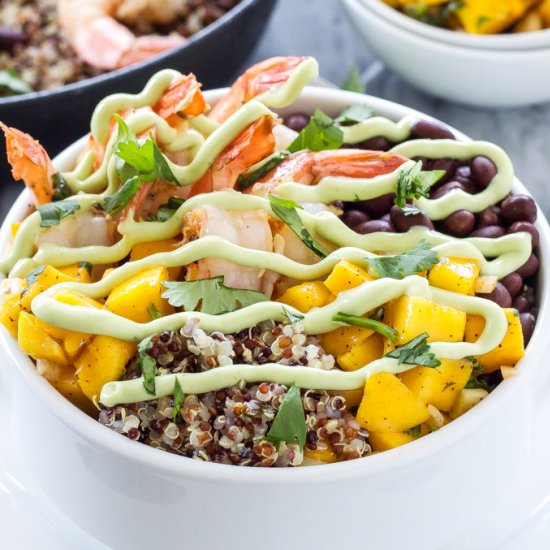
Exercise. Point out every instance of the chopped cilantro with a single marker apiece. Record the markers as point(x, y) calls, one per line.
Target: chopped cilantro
point(416, 352)
point(373, 324)
point(415, 183)
point(147, 365)
point(289, 424)
point(179, 397)
point(354, 114)
point(247, 179)
point(320, 134)
point(353, 81)
point(53, 212)
point(153, 312)
point(12, 84)
point(292, 317)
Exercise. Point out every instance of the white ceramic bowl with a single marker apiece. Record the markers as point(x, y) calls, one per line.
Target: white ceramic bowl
point(486, 71)
point(425, 495)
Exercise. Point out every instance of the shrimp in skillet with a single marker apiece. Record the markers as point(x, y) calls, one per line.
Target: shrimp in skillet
point(103, 42)
point(249, 229)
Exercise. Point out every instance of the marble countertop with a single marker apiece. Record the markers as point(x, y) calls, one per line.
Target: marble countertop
point(320, 28)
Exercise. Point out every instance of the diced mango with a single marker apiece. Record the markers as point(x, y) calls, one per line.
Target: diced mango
point(9, 314)
point(48, 277)
point(489, 16)
point(341, 340)
point(79, 272)
point(508, 352)
point(352, 397)
point(306, 296)
point(386, 441)
point(36, 342)
point(389, 406)
point(103, 360)
point(72, 341)
point(544, 12)
point(142, 250)
point(345, 276)
point(438, 386)
point(413, 315)
point(74, 298)
point(323, 455)
point(466, 400)
point(361, 354)
point(455, 274)
point(133, 297)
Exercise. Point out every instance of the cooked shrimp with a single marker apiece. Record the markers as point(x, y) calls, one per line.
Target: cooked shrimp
point(309, 168)
point(100, 40)
point(246, 228)
point(30, 163)
point(83, 229)
point(251, 146)
point(183, 97)
point(260, 78)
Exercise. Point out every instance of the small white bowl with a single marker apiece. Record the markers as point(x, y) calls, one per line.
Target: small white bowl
point(485, 71)
point(429, 494)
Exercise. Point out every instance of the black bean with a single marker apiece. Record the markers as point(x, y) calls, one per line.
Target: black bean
point(404, 223)
point(445, 188)
point(513, 283)
point(378, 143)
point(374, 226)
point(519, 208)
point(517, 227)
point(297, 121)
point(427, 129)
point(489, 232)
point(500, 296)
point(378, 206)
point(354, 217)
point(530, 267)
point(483, 171)
point(448, 165)
point(527, 321)
point(463, 173)
point(460, 223)
point(10, 36)
point(386, 218)
point(489, 216)
point(521, 303)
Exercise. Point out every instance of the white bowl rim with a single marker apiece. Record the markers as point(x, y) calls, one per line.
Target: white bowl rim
point(513, 41)
point(163, 463)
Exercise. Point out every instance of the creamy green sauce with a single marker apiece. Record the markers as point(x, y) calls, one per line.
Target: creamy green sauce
point(204, 141)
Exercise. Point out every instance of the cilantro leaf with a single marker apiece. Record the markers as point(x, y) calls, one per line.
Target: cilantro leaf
point(32, 276)
point(372, 324)
point(414, 183)
point(247, 179)
point(353, 81)
point(292, 317)
point(211, 294)
point(416, 352)
point(414, 431)
point(354, 114)
point(117, 202)
point(166, 211)
point(12, 84)
point(147, 365)
point(414, 260)
point(320, 134)
point(290, 423)
point(61, 188)
point(153, 312)
point(286, 211)
point(87, 266)
point(179, 397)
point(53, 212)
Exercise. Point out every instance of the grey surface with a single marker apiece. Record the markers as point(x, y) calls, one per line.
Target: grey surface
point(320, 28)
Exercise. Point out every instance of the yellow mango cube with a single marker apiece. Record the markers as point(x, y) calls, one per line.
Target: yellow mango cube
point(326, 454)
point(385, 441)
point(306, 296)
point(508, 352)
point(345, 276)
point(413, 315)
point(455, 274)
point(9, 314)
point(36, 342)
point(466, 400)
point(74, 298)
point(388, 406)
point(142, 250)
point(80, 272)
point(362, 354)
point(72, 341)
point(48, 277)
point(490, 16)
point(341, 340)
point(103, 360)
point(133, 297)
point(438, 386)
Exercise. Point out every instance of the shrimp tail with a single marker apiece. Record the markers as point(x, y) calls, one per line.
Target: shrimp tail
point(183, 97)
point(30, 163)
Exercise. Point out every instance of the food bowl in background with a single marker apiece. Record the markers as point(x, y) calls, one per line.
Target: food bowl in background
point(57, 117)
point(442, 491)
point(485, 71)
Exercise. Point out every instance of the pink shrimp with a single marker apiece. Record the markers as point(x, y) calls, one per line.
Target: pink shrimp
point(30, 163)
point(309, 168)
point(103, 42)
point(183, 97)
point(249, 229)
point(262, 77)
